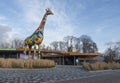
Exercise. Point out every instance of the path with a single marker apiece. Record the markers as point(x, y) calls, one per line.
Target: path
point(58, 74)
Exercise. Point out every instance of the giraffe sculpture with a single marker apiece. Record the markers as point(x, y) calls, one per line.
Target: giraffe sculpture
point(37, 37)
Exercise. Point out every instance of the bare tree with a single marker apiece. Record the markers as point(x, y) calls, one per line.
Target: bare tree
point(62, 46)
point(110, 55)
point(54, 44)
point(88, 45)
point(17, 43)
point(82, 44)
point(70, 42)
point(4, 45)
point(113, 52)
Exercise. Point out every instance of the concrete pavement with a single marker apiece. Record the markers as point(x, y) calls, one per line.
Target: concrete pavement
point(113, 77)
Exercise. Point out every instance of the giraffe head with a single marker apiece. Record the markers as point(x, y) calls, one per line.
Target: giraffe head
point(49, 12)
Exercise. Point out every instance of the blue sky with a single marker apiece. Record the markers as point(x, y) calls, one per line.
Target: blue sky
point(99, 19)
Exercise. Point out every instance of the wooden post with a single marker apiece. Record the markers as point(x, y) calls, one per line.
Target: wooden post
point(74, 60)
point(63, 59)
point(9, 56)
point(59, 61)
point(17, 55)
point(3, 56)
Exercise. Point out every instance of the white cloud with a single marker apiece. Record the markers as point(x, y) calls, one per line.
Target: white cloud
point(4, 33)
point(100, 29)
point(113, 41)
point(7, 34)
point(2, 17)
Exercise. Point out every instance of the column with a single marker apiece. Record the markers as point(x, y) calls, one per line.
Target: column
point(63, 59)
point(74, 60)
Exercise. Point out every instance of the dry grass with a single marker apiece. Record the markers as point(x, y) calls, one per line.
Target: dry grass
point(100, 66)
point(20, 63)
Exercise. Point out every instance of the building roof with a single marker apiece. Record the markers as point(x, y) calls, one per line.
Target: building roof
point(50, 51)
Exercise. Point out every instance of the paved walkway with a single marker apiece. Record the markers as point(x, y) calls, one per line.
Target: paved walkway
point(105, 78)
point(50, 75)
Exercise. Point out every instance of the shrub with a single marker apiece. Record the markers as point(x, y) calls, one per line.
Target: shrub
point(20, 63)
point(101, 66)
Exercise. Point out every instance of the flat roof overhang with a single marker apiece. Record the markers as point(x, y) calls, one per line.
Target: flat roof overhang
point(59, 53)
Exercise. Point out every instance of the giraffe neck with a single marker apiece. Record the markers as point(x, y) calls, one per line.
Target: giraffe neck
point(42, 24)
